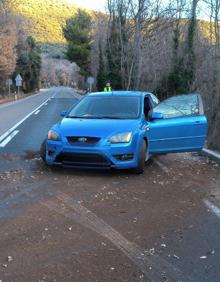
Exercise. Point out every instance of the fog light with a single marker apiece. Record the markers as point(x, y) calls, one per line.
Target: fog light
point(125, 157)
point(51, 153)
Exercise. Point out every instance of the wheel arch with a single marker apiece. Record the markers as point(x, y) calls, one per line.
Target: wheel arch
point(146, 141)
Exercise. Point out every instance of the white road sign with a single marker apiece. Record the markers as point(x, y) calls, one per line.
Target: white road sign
point(18, 80)
point(9, 82)
point(90, 80)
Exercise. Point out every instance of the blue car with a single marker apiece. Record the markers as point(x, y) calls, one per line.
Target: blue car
point(123, 129)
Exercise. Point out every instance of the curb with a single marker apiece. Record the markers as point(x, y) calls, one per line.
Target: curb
point(213, 155)
point(2, 105)
point(77, 95)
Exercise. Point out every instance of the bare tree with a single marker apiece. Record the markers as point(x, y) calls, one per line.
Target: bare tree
point(147, 41)
point(208, 73)
point(58, 72)
point(8, 41)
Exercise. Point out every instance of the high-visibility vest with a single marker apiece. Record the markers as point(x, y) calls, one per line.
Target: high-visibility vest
point(108, 89)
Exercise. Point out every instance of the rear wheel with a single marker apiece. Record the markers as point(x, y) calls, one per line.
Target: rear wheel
point(43, 151)
point(142, 158)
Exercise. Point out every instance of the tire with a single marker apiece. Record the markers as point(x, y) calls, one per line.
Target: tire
point(43, 151)
point(141, 159)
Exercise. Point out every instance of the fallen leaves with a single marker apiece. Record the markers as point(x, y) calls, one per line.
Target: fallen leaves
point(10, 259)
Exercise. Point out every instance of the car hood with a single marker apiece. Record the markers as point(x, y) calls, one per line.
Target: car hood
point(96, 127)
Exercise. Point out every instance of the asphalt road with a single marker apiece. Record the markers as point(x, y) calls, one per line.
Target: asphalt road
point(26, 122)
point(79, 225)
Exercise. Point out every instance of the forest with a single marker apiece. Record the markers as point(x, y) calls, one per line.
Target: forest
point(166, 47)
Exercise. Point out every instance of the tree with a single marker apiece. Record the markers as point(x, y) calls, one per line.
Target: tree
point(8, 41)
point(207, 68)
point(181, 77)
point(190, 53)
point(78, 35)
point(29, 64)
point(119, 44)
point(58, 72)
point(102, 75)
point(114, 57)
point(130, 25)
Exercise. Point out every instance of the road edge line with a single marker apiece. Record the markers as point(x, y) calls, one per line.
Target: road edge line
point(213, 208)
point(8, 139)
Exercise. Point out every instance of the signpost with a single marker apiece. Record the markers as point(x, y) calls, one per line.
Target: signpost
point(90, 81)
point(18, 80)
point(9, 83)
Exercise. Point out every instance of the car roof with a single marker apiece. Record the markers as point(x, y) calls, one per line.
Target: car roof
point(121, 93)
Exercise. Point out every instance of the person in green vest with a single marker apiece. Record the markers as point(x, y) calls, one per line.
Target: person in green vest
point(108, 87)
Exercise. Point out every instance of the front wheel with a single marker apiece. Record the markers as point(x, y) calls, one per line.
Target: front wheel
point(43, 150)
point(141, 158)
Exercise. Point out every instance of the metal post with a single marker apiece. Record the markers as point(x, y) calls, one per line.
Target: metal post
point(9, 89)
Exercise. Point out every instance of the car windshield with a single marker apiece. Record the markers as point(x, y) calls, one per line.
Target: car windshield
point(107, 107)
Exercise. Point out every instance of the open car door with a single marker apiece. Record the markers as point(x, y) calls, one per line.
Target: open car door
point(177, 124)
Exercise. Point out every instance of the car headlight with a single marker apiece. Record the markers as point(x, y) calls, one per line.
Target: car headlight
point(52, 135)
point(121, 138)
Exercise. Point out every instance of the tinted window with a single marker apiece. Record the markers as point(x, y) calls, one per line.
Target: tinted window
point(184, 105)
point(107, 107)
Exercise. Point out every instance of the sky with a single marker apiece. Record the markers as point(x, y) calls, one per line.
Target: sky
point(98, 5)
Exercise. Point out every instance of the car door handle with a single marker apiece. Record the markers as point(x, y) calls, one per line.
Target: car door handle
point(198, 122)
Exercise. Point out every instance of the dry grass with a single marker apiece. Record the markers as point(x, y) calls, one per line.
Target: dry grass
point(6, 99)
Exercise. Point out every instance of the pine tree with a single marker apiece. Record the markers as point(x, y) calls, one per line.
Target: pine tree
point(181, 77)
point(113, 56)
point(29, 64)
point(77, 33)
point(102, 75)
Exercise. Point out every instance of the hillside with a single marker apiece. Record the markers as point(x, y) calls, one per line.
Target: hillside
point(45, 17)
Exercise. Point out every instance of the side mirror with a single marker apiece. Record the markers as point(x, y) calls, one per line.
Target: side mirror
point(156, 115)
point(63, 113)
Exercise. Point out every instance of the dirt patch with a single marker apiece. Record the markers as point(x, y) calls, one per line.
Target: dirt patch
point(161, 211)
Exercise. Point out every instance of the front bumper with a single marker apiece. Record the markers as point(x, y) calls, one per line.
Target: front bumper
point(101, 156)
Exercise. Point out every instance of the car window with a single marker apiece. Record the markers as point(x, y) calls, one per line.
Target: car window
point(147, 106)
point(178, 106)
point(154, 99)
point(107, 107)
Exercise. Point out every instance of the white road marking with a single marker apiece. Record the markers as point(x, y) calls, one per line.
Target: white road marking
point(37, 112)
point(9, 138)
point(151, 265)
point(3, 136)
point(45, 104)
point(213, 208)
point(162, 166)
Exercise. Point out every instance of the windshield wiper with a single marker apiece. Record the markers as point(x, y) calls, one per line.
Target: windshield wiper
point(73, 117)
point(95, 117)
point(109, 117)
point(85, 117)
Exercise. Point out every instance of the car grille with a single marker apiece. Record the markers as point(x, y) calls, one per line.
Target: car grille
point(83, 140)
point(86, 160)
